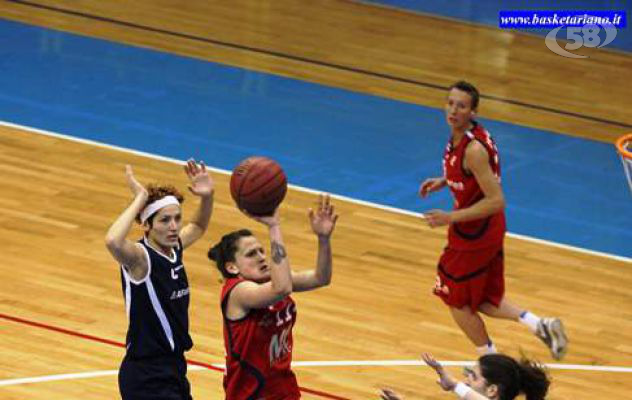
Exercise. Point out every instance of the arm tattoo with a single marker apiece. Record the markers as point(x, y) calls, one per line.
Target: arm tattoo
point(278, 252)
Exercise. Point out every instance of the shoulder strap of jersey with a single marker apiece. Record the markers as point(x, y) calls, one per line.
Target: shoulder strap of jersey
point(229, 285)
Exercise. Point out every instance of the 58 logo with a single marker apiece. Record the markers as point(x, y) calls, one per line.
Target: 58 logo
point(589, 35)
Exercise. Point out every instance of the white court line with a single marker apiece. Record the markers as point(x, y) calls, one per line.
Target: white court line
point(60, 377)
point(390, 363)
point(303, 189)
point(299, 364)
point(64, 377)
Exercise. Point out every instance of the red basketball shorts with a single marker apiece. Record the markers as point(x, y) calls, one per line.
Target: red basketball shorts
point(471, 278)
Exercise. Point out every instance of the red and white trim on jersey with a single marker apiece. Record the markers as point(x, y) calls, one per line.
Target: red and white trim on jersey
point(259, 350)
point(466, 192)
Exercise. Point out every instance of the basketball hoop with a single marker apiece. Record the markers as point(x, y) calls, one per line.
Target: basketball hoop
point(624, 147)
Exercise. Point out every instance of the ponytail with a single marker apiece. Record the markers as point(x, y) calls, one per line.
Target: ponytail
point(224, 251)
point(513, 378)
point(534, 382)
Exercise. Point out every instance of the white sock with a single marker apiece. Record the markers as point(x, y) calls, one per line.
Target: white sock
point(488, 348)
point(530, 320)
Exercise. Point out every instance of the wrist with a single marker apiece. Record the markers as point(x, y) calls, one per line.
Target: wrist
point(209, 195)
point(324, 239)
point(461, 389)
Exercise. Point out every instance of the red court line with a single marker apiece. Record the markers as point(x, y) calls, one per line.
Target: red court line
point(61, 330)
point(119, 344)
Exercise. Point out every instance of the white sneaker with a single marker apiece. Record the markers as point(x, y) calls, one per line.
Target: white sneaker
point(551, 332)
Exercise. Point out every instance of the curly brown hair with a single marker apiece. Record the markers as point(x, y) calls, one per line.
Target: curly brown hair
point(157, 192)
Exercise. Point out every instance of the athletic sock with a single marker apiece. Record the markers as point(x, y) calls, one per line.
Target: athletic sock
point(530, 320)
point(488, 348)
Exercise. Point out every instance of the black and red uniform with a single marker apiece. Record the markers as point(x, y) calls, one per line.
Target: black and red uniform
point(259, 351)
point(470, 270)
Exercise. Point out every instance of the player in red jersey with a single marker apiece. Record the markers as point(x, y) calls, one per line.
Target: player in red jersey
point(470, 276)
point(257, 308)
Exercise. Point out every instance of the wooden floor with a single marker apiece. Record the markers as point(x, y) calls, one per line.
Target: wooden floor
point(59, 197)
point(56, 271)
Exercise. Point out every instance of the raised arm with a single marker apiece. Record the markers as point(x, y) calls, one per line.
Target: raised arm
point(448, 383)
point(248, 294)
point(323, 221)
point(201, 185)
point(123, 250)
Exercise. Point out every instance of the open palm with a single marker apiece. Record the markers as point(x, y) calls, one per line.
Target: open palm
point(323, 219)
point(201, 182)
point(445, 380)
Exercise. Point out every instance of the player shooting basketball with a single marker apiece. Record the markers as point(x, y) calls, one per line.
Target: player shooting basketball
point(257, 309)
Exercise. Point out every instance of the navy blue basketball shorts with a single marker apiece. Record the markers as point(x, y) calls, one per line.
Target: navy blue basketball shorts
point(157, 378)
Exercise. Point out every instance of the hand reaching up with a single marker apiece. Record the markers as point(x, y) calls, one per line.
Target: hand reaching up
point(323, 219)
point(201, 183)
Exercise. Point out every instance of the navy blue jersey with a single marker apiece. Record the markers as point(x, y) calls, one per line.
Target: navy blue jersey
point(157, 306)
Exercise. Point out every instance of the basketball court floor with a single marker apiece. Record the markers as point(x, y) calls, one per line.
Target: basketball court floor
point(347, 97)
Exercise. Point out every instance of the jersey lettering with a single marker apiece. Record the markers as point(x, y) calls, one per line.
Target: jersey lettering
point(279, 346)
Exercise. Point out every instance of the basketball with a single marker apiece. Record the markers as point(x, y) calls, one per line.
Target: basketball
point(258, 185)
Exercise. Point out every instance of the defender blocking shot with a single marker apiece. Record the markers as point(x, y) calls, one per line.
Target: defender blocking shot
point(155, 285)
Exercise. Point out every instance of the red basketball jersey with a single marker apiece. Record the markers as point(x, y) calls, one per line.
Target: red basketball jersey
point(259, 351)
point(481, 233)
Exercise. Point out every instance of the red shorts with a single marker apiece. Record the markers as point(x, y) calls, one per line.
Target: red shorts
point(471, 278)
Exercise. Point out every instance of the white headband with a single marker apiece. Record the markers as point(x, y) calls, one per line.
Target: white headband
point(157, 205)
